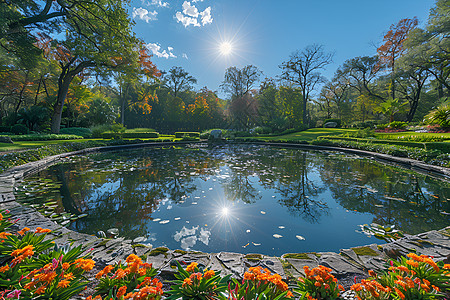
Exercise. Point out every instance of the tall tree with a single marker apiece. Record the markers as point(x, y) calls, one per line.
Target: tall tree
point(238, 82)
point(179, 80)
point(303, 69)
point(393, 48)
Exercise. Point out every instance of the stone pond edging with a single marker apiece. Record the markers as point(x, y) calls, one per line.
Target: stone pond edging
point(346, 264)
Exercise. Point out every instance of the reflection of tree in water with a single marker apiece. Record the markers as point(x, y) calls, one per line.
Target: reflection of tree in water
point(297, 191)
point(121, 194)
point(288, 175)
point(411, 202)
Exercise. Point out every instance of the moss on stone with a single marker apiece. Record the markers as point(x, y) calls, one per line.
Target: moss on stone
point(297, 255)
point(158, 251)
point(138, 246)
point(367, 251)
point(143, 257)
point(253, 257)
point(103, 242)
point(380, 248)
point(182, 252)
point(109, 251)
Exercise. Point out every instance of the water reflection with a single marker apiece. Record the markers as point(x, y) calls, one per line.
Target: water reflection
point(239, 198)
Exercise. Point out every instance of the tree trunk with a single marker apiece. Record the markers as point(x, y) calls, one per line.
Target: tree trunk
point(63, 89)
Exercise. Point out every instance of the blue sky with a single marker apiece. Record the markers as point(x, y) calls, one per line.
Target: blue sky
point(263, 32)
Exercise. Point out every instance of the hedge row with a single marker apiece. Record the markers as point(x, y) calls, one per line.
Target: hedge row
point(44, 137)
point(130, 135)
point(181, 134)
point(441, 146)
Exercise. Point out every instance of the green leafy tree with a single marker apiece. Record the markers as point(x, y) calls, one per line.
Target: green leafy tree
point(179, 80)
point(390, 107)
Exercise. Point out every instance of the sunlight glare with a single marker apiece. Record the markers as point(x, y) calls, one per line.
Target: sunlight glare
point(226, 48)
point(225, 211)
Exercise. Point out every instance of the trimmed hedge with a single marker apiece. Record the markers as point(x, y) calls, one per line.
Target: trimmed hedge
point(182, 134)
point(130, 135)
point(44, 137)
point(441, 146)
point(80, 131)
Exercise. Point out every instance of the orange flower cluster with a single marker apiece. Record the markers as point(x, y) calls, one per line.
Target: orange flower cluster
point(21, 254)
point(152, 291)
point(134, 266)
point(40, 230)
point(321, 277)
point(264, 275)
point(85, 264)
point(371, 286)
point(422, 258)
point(22, 232)
point(4, 235)
point(191, 267)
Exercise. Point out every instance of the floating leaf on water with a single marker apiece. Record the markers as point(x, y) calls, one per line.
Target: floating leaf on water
point(248, 231)
point(194, 203)
point(263, 212)
point(281, 227)
point(246, 245)
point(177, 218)
point(394, 198)
point(65, 223)
point(156, 220)
point(82, 216)
point(300, 237)
point(277, 236)
point(255, 244)
point(379, 205)
point(164, 222)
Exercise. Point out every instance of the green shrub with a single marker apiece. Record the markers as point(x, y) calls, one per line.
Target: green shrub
point(99, 129)
point(19, 129)
point(44, 137)
point(337, 121)
point(111, 135)
point(398, 125)
point(140, 130)
point(440, 115)
point(382, 126)
point(140, 135)
point(361, 133)
point(262, 130)
point(183, 134)
point(80, 131)
point(5, 128)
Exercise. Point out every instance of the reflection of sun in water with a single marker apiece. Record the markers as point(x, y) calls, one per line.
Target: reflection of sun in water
point(224, 211)
point(225, 48)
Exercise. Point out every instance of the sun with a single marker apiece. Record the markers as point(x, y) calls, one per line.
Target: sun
point(226, 48)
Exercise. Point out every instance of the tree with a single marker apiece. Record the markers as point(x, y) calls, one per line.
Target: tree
point(390, 107)
point(99, 38)
point(238, 82)
point(430, 48)
point(179, 80)
point(393, 46)
point(303, 68)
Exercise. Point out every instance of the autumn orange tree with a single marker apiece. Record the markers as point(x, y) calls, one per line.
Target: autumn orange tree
point(392, 47)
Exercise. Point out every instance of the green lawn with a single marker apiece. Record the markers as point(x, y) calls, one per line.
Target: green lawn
point(22, 145)
point(446, 135)
point(307, 135)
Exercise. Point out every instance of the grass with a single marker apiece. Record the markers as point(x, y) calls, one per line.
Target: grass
point(22, 145)
point(307, 135)
point(445, 135)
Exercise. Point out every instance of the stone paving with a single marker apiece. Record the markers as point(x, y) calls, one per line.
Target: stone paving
point(348, 263)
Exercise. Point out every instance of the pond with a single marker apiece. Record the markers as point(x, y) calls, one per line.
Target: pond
point(247, 199)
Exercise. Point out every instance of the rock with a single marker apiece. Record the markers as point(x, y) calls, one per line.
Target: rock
point(101, 234)
point(330, 125)
point(139, 240)
point(113, 232)
point(339, 265)
point(232, 261)
point(216, 134)
point(6, 139)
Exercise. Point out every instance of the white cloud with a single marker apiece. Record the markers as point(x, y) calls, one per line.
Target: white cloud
point(184, 55)
point(206, 16)
point(185, 20)
point(144, 14)
point(191, 15)
point(156, 50)
point(189, 9)
point(158, 3)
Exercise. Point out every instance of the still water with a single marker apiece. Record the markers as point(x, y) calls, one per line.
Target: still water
point(243, 199)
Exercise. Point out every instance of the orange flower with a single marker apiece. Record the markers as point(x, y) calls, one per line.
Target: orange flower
point(69, 276)
point(289, 294)
point(3, 235)
point(40, 230)
point(430, 262)
point(122, 290)
point(209, 274)
point(187, 281)
point(249, 276)
point(1, 217)
point(4, 269)
point(191, 267)
point(399, 293)
point(63, 283)
point(65, 266)
point(22, 232)
point(412, 263)
point(415, 257)
point(133, 258)
point(372, 273)
point(41, 289)
point(85, 264)
point(317, 284)
point(403, 268)
point(104, 272)
point(120, 273)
